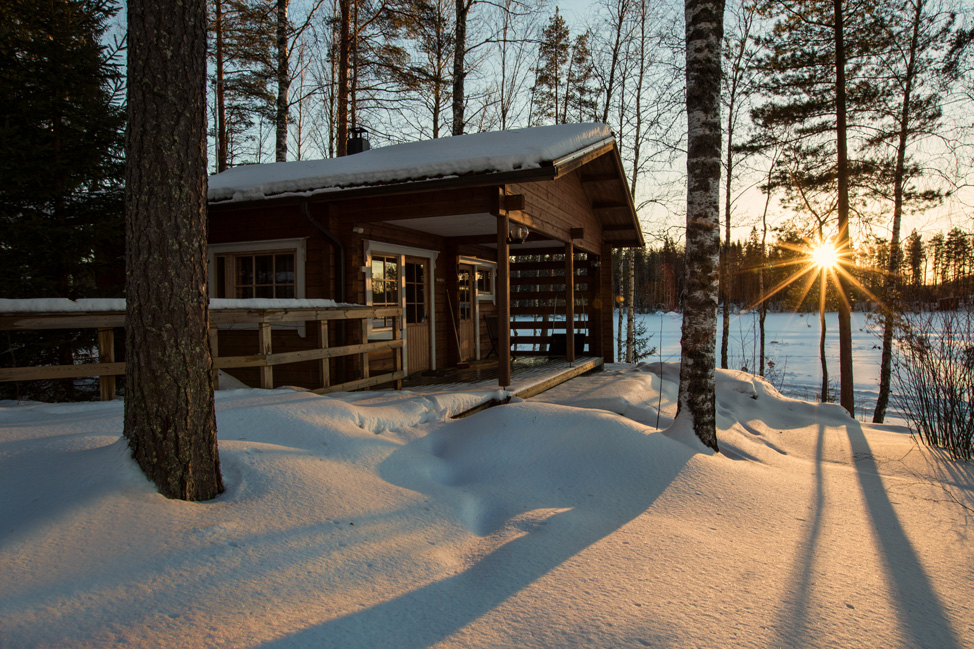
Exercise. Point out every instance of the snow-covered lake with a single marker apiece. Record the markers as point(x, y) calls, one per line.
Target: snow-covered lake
point(791, 343)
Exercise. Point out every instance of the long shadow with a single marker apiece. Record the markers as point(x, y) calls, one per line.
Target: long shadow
point(919, 609)
point(434, 612)
point(794, 623)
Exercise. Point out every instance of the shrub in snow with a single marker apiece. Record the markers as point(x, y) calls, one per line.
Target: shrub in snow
point(935, 376)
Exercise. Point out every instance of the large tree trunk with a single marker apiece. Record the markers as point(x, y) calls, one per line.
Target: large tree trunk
point(697, 399)
point(283, 84)
point(169, 418)
point(846, 384)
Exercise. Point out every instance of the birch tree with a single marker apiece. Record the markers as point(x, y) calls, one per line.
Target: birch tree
point(704, 35)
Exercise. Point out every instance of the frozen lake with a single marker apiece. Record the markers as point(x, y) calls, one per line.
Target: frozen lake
point(791, 343)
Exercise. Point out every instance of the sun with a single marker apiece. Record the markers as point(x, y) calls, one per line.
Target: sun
point(824, 255)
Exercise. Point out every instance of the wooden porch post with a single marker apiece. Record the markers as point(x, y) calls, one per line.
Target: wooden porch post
point(607, 299)
point(570, 302)
point(503, 289)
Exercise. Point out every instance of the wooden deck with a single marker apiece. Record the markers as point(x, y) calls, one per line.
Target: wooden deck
point(530, 376)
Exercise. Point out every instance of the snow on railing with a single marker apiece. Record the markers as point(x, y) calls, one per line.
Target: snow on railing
point(107, 314)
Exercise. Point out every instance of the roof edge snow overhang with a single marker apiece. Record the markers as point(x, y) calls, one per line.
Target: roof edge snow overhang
point(548, 170)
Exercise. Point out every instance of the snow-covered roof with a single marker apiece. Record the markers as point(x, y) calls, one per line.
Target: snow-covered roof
point(478, 153)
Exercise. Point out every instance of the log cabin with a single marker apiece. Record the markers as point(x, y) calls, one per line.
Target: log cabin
point(462, 233)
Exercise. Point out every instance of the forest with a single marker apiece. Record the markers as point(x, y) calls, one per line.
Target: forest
point(292, 79)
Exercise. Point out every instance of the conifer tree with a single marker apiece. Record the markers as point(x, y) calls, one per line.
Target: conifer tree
point(819, 75)
point(61, 127)
point(553, 56)
point(170, 423)
point(61, 130)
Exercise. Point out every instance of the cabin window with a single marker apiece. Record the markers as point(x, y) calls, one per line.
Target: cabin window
point(260, 275)
point(485, 282)
point(385, 286)
point(415, 292)
point(271, 269)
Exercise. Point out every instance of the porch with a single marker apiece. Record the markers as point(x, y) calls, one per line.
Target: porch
point(530, 376)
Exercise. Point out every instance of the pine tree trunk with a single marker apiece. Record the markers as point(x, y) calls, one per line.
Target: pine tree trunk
point(283, 83)
point(221, 120)
point(169, 417)
point(823, 285)
point(697, 398)
point(891, 283)
point(846, 383)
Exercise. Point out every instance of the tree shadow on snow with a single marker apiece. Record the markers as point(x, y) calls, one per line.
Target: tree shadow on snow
point(431, 614)
point(920, 612)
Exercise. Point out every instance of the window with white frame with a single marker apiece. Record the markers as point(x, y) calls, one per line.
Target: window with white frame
point(486, 272)
point(257, 269)
point(390, 281)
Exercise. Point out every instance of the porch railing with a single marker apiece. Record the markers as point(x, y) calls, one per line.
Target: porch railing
point(106, 368)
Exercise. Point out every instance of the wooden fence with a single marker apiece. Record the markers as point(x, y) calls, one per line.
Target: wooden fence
point(106, 369)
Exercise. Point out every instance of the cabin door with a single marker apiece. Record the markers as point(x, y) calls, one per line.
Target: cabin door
point(418, 342)
point(465, 311)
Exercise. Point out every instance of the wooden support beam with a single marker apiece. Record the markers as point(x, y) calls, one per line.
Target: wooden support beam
point(514, 202)
point(576, 233)
point(569, 302)
point(502, 289)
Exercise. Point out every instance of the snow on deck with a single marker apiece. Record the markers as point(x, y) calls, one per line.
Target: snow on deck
point(494, 152)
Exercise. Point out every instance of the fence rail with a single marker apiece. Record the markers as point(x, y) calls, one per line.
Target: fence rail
point(106, 369)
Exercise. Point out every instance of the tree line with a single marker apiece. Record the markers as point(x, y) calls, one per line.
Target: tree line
point(938, 273)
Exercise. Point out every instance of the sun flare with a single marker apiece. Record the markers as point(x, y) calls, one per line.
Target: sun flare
point(825, 256)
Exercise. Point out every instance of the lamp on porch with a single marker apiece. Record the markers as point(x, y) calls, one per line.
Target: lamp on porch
point(517, 233)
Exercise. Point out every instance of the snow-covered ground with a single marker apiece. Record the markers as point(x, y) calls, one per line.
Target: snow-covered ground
point(581, 518)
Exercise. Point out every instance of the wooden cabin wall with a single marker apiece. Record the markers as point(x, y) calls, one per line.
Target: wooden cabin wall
point(558, 206)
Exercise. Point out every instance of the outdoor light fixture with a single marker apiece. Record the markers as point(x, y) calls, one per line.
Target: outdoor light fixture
point(517, 234)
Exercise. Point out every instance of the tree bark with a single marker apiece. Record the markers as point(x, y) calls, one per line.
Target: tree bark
point(459, 65)
point(169, 416)
point(221, 121)
point(846, 384)
point(891, 283)
point(697, 398)
point(344, 40)
point(283, 84)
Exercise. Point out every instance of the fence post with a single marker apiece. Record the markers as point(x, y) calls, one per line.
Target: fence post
point(106, 354)
point(214, 336)
point(264, 343)
point(323, 342)
point(397, 353)
point(364, 333)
